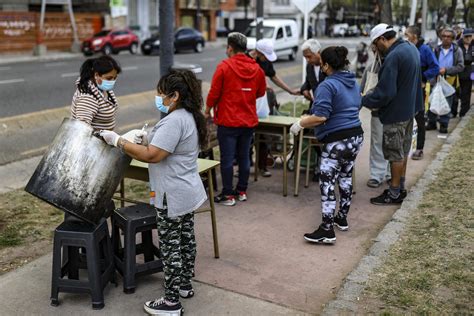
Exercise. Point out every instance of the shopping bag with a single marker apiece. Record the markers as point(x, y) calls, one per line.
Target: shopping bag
point(372, 76)
point(263, 110)
point(448, 89)
point(438, 103)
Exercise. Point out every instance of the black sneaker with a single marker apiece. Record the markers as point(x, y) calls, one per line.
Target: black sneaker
point(341, 223)
point(186, 291)
point(316, 177)
point(386, 199)
point(159, 307)
point(321, 235)
point(403, 194)
point(228, 200)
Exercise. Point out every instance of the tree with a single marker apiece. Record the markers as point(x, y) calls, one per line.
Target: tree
point(386, 11)
point(452, 11)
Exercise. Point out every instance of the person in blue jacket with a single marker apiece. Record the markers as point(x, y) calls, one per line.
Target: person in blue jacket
point(335, 116)
point(429, 71)
point(398, 97)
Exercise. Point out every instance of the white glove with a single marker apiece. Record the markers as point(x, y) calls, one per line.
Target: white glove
point(296, 128)
point(140, 137)
point(110, 137)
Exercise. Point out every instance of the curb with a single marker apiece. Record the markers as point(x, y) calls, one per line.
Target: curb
point(21, 58)
point(347, 298)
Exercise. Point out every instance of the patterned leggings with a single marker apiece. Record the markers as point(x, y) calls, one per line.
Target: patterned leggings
point(178, 251)
point(337, 162)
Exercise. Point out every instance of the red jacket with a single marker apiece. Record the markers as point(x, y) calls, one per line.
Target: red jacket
point(237, 83)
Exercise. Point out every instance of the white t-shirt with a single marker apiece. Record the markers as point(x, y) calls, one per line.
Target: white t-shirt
point(177, 177)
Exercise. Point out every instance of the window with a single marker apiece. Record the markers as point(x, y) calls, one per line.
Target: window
point(288, 31)
point(280, 33)
point(267, 32)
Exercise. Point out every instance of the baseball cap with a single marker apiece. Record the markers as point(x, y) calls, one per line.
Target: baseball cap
point(468, 32)
point(379, 30)
point(265, 46)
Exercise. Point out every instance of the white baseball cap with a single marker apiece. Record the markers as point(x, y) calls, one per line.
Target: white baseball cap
point(379, 30)
point(265, 46)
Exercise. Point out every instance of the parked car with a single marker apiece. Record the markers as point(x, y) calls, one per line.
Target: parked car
point(222, 31)
point(339, 30)
point(184, 38)
point(111, 42)
point(352, 30)
point(283, 33)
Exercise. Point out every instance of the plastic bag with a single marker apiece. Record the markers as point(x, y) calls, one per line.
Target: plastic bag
point(372, 76)
point(438, 103)
point(448, 90)
point(263, 110)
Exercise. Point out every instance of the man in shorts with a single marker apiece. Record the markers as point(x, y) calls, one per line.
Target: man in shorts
point(397, 97)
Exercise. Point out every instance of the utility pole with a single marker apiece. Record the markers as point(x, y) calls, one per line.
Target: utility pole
point(424, 13)
point(166, 36)
point(197, 25)
point(259, 19)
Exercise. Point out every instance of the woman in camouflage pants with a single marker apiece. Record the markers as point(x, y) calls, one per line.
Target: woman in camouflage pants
point(172, 150)
point(335, 116)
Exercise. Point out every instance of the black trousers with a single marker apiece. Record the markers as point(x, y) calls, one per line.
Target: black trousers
point(420, 138)
point(466, 87)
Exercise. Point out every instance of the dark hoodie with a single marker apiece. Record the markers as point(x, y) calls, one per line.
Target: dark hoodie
point(338, 100)
point(236, 85)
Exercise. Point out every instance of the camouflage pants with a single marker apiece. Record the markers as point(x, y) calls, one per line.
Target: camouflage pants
point(337, 162)
point(178, 251)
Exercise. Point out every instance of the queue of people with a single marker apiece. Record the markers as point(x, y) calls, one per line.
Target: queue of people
point(172, 146)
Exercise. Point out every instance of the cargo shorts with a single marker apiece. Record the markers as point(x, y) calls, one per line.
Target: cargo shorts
point(397, 139)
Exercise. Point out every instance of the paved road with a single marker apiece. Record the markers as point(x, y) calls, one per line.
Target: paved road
point(32, 86)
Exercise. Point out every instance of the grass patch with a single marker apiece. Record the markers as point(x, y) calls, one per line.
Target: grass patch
point(430, 268)
point(287, 108)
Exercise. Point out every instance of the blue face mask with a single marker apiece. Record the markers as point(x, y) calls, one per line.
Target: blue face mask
point(160, 105)
point(106, 85)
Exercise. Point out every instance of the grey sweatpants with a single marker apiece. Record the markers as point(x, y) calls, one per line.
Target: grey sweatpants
point(379, 167)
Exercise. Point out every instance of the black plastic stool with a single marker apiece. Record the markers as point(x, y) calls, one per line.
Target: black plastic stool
point(71, 236)
point(140, 218)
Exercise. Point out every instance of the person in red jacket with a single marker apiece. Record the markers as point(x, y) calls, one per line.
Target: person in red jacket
point(236, 85)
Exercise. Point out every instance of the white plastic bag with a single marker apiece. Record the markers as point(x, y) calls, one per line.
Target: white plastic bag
point(448, 90)
point(372, 76)
point(263, 110)
point(438, 103)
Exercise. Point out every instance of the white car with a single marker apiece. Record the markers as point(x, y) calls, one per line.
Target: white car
point(283, 33)
point(339, 30)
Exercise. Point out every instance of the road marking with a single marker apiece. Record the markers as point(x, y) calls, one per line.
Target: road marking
point(70, 74)
point(5, 68)
point(54, 64)
point(129, 68)
point(11, 81)
point(34, 151)
point(208, 59)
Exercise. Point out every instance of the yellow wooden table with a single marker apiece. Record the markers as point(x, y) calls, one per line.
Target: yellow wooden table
point(139, 171)
point(280, 125)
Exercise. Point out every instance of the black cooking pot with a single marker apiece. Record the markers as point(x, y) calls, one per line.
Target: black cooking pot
point(79, 173)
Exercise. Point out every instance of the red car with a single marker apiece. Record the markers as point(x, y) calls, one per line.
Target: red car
point(111, 42)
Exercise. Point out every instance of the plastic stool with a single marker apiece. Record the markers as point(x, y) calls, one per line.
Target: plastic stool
point(140, 218)
point(71, 236)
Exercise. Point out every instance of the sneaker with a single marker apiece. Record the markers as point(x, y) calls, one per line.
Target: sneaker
point(159, 307)
point(227, 200)
point(265, 173)
point(373, 183)
point(403, 194)
point(186, 291)
point(341, 223)
point(417, 155)
point(242, 196)
point(321, 235)
point(443, 129)
point(431, 126)
point(386, 199)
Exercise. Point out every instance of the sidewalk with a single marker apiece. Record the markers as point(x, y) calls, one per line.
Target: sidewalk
point(266, 268)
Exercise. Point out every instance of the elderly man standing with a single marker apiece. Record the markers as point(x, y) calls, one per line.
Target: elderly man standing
point(397, 96)
point(235, 87)
point(311, 52)
point(451, 63)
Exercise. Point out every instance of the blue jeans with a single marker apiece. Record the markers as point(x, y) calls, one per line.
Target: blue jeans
point(234, 142)
point(443, 119)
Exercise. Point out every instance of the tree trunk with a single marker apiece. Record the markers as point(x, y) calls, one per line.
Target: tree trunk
point(465, 15)
point(452, 11)
point(386, 11)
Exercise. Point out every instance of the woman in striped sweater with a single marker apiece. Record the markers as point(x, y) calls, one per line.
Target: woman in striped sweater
point(94, 101)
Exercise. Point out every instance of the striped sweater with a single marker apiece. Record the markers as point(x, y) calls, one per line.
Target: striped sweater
point(93, 108)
